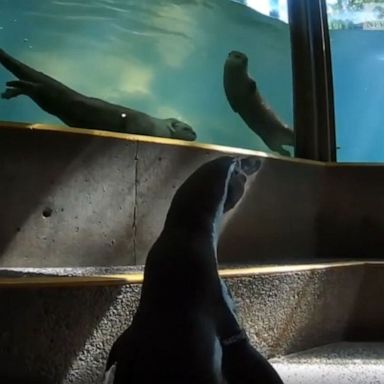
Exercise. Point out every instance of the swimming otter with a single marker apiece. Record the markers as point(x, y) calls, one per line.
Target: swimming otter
point(77, 110)
point(245, 99)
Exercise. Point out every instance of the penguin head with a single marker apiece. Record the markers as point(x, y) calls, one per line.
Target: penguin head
point(213, 189)
point(236, 185)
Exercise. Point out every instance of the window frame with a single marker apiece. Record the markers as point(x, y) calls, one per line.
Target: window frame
point(313, 101)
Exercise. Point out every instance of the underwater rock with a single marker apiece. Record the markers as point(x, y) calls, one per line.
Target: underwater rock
point(245, 99)
point(186, 321)
point(77, 110)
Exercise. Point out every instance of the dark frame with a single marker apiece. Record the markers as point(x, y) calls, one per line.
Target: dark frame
point(314, 119)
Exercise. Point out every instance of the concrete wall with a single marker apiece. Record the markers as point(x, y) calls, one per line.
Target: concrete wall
point(79, 200)
point(350, 220)
point(368, 315)
point(85, 186)
point(275, 221)
point(63, 335)
point(74, 199)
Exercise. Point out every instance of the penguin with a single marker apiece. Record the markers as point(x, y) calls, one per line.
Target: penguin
point(77, 110)
point(241, 362)
point(185, 319)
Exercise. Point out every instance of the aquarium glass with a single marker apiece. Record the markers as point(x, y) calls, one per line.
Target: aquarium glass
point(357, 45)
point(163, 58)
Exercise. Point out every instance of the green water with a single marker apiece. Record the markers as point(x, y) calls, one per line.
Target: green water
point(358, 74)
point(164, 58)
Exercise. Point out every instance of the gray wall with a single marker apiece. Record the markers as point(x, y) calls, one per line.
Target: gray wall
point(350, 220)
point(107, 198)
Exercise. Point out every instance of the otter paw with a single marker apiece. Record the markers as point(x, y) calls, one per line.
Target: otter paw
point(9, 93)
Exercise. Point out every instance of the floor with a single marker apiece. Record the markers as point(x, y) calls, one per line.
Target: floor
point(339, 363)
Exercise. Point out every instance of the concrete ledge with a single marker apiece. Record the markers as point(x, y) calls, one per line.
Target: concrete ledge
point(63, 334)
point(83, 276)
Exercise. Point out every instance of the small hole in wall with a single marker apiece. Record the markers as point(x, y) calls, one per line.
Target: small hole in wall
point(47, 212)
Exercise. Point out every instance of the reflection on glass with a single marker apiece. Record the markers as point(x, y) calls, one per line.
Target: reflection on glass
point(357, 44)
point(273, 8)
point(162, 58)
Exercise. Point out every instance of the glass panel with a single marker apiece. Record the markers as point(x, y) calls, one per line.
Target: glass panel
point(163, 58)
point(357, 44)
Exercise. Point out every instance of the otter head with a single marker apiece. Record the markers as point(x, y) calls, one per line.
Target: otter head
point(179, 130)
point(236, 80)
point(237, 59)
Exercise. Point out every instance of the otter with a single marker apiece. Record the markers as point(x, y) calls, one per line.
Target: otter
point(245, 99)
point(78, 110)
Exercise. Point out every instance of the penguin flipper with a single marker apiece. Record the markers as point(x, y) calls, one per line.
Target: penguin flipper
point(120, 358)
point(242, 364)
point(228, 297)
point(109, 376)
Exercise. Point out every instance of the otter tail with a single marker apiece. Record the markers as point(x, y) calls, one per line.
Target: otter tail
point(276, 137)
point(24, 72)
point(279, 137)
point(287, 136)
